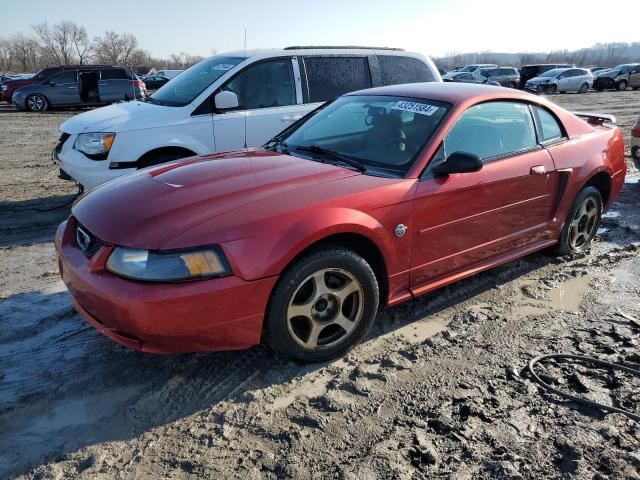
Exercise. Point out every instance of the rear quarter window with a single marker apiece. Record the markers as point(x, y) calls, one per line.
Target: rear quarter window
point(331, 77)
point(396, 69)
point(550, 129)
point(114, 74)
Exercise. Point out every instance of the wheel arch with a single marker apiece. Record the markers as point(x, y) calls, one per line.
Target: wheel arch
point(601, 181)
point(145, 157)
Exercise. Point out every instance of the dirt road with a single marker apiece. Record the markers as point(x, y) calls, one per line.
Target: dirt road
point(438, 389)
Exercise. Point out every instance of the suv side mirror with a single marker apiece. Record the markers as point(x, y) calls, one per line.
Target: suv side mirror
point(458, 162)
point(226, 100)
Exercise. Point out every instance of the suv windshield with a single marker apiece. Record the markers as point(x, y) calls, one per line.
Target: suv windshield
point(383, 134)
point(185, 87)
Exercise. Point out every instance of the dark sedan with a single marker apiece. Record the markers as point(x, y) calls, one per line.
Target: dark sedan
point(466, 77)
point(505, 76)
point(154, 82)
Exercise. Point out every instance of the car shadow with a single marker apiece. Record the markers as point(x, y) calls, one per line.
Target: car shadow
point(63, 386)
point(26, 222)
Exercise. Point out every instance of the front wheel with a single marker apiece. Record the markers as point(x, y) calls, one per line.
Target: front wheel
point(584, 88)
point(621, 86)
point(323, 305)
point(36, 103)
point(552, 89)
point(582, 223)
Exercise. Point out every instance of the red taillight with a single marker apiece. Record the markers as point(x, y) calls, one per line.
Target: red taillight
point(139, 83)
point(635, 131)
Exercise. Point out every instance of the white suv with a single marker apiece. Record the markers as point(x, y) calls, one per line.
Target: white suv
point(226, 102)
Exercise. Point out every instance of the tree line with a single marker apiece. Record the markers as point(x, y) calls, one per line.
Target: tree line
point(601, 54)
point(68, 43)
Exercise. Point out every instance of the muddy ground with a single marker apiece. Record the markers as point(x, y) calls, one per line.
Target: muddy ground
point(439, 389)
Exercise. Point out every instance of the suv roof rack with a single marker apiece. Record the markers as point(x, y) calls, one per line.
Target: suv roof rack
point(341, 47)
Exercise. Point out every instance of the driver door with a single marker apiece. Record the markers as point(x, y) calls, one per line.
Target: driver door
point(270, 100)
point(467, 219)
point(63, 89)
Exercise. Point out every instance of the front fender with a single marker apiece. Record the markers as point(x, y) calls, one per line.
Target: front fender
point(131, 145)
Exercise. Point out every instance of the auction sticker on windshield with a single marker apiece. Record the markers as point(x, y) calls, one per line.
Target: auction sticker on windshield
point(223, 66)
point(421, 108)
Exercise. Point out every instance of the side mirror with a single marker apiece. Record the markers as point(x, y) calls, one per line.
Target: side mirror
point(458, 162)
point(40, 77)
point(226, 100)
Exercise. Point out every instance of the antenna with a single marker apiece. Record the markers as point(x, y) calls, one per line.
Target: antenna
point(245, 101)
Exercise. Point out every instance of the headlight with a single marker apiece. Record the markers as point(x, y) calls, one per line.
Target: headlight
point(4, 87)
point(95, 145)
point(168, 266)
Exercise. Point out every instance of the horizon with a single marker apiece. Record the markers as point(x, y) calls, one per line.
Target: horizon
point(409, 24)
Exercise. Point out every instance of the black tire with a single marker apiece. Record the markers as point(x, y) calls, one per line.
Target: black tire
point(621, 86)
point(552, 89)
point(567, 244)
point(161, 158)
point(286, 331)
point(36, 103)
point(584, 88)
point(635, 154)
point(512, 85)
point(635, 88)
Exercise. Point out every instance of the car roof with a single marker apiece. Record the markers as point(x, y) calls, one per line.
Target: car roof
point(449, 92)
point(291, 51)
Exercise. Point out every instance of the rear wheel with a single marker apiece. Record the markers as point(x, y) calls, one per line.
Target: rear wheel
point(582, 223)
point(621, 86)
point(584, 88)
point(552, 89)
point(36, 103)
point(323, 305)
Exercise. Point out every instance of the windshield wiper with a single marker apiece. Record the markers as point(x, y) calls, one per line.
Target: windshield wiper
point(277, 142)
point(153, 100)
point(331, 155)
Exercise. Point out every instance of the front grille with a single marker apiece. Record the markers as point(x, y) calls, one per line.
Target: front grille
point(63, 138)
point(87, 241)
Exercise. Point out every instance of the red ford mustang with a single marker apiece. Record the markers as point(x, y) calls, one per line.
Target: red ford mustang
point(376, 198)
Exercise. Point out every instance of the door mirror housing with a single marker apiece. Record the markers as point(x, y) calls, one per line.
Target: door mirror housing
point(226, 100)
point(458, 162)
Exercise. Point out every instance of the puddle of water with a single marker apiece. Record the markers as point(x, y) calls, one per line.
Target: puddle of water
point(602, 230)
point(523, 311)
point(568, 296)
point(611, 214)
point(631, 179)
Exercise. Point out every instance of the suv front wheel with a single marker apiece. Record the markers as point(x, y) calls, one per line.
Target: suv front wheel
point(36, 103)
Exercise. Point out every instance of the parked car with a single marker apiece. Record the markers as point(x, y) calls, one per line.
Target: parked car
point(505, 76)
point(561, 80)
point(40, 76)
point(634, 78)
point(154, 82)
point(594, 69)
point(476, 66)
point(464, 77)
point(635, 143)
point(528, 72)
point(377, 197)
point(226, 102)
point(617, 78)
point(168, 73)
point(80, 88)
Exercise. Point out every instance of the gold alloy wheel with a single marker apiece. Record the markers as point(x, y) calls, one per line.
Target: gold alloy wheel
point(325, 309)
point(584, 224)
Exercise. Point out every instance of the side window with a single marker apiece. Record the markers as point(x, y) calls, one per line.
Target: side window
point(491, 130)
point(395, 70)
point(264, 85)
point(65, 77)
point(330, 77)
point(549, 127)
point(114, 74)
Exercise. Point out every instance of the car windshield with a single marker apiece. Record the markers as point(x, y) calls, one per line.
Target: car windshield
point(469, 68)
point(185, 87)
point(552, 73)
point(625, 68)
point(382, 135)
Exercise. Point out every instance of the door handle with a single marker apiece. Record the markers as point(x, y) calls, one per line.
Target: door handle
point(291, 118)
point(538, 170)
point(102, 84)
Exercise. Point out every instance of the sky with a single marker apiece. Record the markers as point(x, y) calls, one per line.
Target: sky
point(431, 27)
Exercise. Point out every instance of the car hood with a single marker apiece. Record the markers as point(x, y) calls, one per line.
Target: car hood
point(539, 79)
point(119, 117)
point(149, 208)
point(608, 73)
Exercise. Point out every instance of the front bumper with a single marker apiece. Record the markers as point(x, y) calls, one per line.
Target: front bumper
point(536, 87)
point(217, 314)
point(86, 172)
point(604, 82)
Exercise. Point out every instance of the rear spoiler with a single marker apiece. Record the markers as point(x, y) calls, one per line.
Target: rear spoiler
point(596, 118)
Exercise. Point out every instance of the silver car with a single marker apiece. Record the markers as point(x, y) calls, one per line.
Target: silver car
point(78, 88)
point(561, 80)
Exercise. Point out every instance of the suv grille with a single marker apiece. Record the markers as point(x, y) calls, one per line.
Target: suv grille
point(88, 242)
point(63, 138)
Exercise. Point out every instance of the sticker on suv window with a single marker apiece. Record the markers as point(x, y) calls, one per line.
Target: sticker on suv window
point(223, 66)
point(421, 108)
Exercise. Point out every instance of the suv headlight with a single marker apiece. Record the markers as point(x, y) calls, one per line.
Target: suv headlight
point(168, 266)
point(95, 145)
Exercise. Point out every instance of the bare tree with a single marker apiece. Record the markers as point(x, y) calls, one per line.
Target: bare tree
point(81, 43)
point(6, 55)
point(57, 40)
point(25, 51)
point(116, 49)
